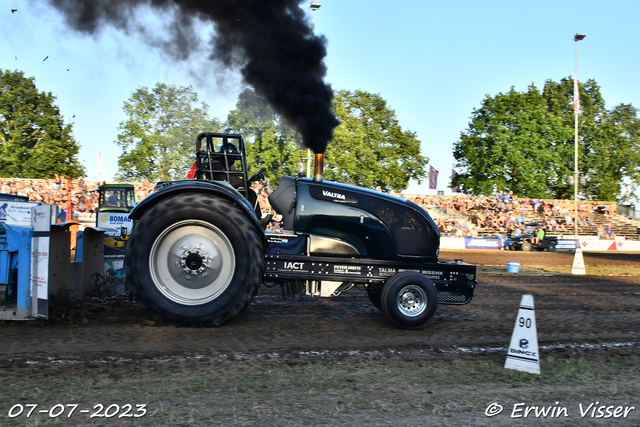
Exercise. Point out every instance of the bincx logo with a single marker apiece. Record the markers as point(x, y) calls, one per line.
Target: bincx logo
point(334, 195)
point(523, 352)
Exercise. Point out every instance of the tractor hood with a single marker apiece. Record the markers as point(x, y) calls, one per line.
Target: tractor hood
point(378, 224)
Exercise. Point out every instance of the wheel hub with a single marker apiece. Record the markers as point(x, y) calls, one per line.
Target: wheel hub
point(409, 300)
point(193, 262)
point(412, 300)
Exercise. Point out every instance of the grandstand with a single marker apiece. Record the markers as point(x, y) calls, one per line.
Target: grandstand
point(456, 215)
point(552, 214)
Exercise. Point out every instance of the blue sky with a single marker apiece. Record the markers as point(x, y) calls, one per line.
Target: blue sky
point(433, 61)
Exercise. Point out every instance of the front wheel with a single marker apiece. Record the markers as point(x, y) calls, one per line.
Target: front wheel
point(409, 299)
point(194, 259)
point(526, 246)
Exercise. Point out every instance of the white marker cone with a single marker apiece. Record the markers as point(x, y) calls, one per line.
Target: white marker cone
point(523, 350)
point(578, 263)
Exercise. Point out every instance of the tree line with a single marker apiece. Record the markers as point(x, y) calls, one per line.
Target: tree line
point(516, 141)
point(369, 147)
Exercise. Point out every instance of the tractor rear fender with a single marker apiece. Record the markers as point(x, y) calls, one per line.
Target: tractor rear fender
point(216, 188)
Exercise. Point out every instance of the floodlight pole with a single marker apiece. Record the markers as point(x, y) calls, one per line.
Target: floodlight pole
point(576, 109)
point(578, 260)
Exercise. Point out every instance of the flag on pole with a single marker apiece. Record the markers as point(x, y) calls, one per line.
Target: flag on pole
point(576, 97)
point(192, 171)
point(453, 176)
point(433, 178)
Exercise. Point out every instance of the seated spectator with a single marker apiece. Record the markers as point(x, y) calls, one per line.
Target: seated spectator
point(601, 232)
point(536, 205)
point(518, 231)
point(459, 229)
point(568, 219)
point(610, 234)
point(561, 227)
point(581, 221)
point(589, 220)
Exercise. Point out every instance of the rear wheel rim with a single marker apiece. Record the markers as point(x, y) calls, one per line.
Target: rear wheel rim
point(412, 301)
point(192, 262)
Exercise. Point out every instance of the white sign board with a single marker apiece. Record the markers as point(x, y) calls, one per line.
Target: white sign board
point(115, 221)
point(40, 260)
point(16, 213)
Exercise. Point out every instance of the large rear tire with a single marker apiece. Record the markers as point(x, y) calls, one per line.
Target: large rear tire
point(409, 299)
point(194, 260)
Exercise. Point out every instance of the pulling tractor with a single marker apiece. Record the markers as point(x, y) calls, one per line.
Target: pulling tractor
point(198, 251)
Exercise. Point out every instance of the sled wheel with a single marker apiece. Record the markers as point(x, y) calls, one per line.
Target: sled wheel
point(374, 296)
point(194, 259)
point(526, 246)
point(551, 247)
point(409, 299)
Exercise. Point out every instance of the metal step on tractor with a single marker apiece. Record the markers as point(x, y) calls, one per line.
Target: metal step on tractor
point(198, 251)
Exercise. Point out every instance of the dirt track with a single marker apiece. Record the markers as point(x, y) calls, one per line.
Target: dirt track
point(569, 309)
point(572, 312)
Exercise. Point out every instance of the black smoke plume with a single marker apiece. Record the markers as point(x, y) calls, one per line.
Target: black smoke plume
point(270, 40)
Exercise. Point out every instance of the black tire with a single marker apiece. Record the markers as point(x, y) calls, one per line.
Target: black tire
point(194, 260)
point(409, 299)
point(526, 246)
point(551, 246)
point(374, 296)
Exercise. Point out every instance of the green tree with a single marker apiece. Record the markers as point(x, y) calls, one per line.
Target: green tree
point(524, 142)
point(158, 137)
point(608, 144)
point(269, 141)
point(34, 141)
point(369, 147)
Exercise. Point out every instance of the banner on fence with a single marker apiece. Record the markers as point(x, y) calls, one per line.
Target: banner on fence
point(477, 243)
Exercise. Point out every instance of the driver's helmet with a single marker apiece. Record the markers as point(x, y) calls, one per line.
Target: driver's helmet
point(231, 149)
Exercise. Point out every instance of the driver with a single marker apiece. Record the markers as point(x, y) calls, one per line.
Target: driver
point(539, 236)
point(219, 166)
point(113, 200)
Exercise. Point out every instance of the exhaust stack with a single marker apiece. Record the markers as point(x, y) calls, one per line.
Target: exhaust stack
point(318, 167)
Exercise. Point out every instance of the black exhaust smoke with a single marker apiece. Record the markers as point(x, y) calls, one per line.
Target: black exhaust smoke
point(270, 40)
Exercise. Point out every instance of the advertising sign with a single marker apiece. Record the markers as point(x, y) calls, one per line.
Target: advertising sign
point(16, 213)
point(40, 260)
point(114, 221)
point(475, 243)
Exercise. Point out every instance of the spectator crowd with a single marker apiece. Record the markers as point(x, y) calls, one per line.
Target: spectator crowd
point(503, 213)
point(82, 194)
